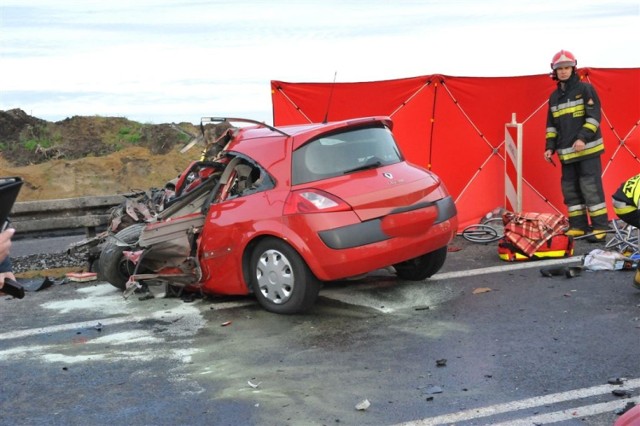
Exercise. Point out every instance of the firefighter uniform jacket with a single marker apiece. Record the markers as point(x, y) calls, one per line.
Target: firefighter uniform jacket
point(574, 113)
point(626, 201)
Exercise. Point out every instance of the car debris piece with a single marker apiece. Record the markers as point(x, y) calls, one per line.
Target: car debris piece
point(616, 381)
point(632, 417)
point(480, 290)
point(432, 390)
point(226, 323)
point(621, 393)
point(441, 362)
point(363, 405)
point(573, 271)
point(82, 277)
point(131, 288)
point(567, 271)
point(36, 284)
point(253, 385)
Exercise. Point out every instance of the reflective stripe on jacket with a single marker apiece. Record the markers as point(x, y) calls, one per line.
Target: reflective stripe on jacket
point(627, 198)
point(574, 113)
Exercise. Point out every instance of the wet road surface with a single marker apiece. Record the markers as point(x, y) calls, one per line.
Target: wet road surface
point(483, 342)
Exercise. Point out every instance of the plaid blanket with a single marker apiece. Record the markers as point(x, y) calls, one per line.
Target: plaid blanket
point(529, 231)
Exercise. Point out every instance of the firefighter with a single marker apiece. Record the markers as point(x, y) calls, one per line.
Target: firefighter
point(573, 133)
point(626, 201)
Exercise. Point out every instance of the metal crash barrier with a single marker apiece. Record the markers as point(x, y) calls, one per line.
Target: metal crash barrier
point(64, 214)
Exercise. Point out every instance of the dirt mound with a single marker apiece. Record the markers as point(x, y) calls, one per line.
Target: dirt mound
point(82, 156)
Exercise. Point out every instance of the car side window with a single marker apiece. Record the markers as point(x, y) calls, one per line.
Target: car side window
point(248, 178)
point(343, 153)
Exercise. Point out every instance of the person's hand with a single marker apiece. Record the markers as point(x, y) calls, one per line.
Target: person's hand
point(5, 243)
point(547, 156)
point(5, 275)
point(579, 145)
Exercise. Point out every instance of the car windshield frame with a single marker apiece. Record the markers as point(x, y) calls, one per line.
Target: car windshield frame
point(344, 152)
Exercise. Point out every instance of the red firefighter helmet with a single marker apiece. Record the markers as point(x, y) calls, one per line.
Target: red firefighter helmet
point(563, 58)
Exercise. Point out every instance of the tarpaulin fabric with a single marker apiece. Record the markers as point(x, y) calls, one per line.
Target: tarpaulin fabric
point(454, 126)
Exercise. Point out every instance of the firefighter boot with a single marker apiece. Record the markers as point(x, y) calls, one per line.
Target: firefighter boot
point(597, 236)
point(574, 232)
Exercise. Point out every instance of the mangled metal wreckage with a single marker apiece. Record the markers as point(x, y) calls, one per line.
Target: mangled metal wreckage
point(276, 211)
point(152, 237)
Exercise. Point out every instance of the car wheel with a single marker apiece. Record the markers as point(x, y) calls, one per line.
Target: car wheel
point(112, 264)
point(281, 279)
point(421, 267)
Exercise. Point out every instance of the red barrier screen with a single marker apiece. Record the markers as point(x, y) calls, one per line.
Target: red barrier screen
point(455, 127)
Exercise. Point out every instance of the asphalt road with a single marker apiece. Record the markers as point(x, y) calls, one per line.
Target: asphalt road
point(482, 342)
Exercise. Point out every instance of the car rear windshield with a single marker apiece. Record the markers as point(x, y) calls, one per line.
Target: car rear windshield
point(344, 153)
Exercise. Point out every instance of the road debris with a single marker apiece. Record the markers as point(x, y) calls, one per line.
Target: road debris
point(253, 385)
point(432, 390)
point(363, 405)
point(627, 407)
point(623, 393)
point(37, 284)
point(567, 271)
point(606, 260)
point(82, 277)
point(480, 290)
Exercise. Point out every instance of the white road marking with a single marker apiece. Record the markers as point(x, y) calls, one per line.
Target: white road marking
point(16, 334)
point(508, 267)
point(572, 413)
point(403, 297)
point(476, 413)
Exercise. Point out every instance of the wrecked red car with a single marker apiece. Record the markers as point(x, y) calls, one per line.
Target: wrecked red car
point(276, 211)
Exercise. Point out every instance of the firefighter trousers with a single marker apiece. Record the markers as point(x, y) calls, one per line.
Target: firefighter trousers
point(584, 195)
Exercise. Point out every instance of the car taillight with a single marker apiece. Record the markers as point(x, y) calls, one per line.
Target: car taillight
point(313, 201)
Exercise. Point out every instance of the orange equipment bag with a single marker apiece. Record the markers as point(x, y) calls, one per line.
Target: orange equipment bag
point(532, 236)
point(557, 246)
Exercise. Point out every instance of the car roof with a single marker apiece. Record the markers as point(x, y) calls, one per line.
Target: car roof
point(270, 145)
point(303, 132)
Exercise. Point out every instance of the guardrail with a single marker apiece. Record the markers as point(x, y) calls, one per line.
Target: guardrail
point(64, 214)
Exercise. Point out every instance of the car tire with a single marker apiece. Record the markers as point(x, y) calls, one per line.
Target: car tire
point(281, 280)
point(113, 267)
point(421, 267)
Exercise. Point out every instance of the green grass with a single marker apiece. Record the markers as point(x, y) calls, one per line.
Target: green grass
point(32, 144)
point(129, 135)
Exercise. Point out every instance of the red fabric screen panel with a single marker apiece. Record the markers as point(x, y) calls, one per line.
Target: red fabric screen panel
point(455, 127)
point(341, 101)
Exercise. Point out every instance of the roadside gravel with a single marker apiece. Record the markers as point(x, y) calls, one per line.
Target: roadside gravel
point(46, 261)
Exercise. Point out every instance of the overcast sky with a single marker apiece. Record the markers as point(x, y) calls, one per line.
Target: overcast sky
point(168, 61)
